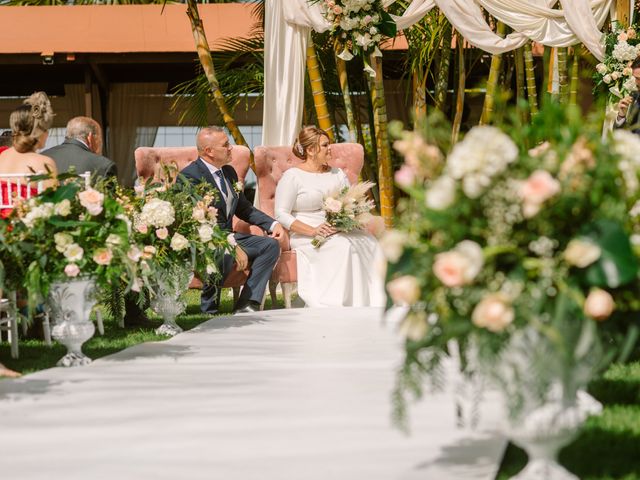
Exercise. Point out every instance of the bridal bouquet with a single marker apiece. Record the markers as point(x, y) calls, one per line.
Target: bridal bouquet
point(67, 232)
point(358, 27)
point(530, 234)
point(347, 209)
point(622, 47)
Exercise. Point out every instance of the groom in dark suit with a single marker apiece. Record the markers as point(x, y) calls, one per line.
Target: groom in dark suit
point(258, 252)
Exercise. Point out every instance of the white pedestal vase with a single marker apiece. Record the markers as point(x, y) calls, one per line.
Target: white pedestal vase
point(70, 304)
point(166, 298)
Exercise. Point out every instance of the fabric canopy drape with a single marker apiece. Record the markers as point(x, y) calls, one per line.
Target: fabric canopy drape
point(134, 114)
point(288, 23)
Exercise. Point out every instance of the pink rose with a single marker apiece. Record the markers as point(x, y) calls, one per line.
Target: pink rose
point(102, 256)
point(599, 304)
point(404, 290)
point(91, 200)
point(134, 253)
point(494, 313)
point(337, 9)
point(536, 189)
point(406, 176)
point(142, 228)
point(622, 37)
point(459, 266)
point(332, 205)
point(148, 251)
point(72, 270)
point(162, 233)
point(631, 33)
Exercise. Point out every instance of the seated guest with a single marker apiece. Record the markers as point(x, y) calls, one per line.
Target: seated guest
point(342, 272)
point(30, 125)
point(82, 149)
point(5, 140)
point(257, 253)
point(629, 106)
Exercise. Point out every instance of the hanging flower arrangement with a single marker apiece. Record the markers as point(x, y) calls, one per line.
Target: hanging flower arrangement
point(622, 47)
point(358, 27)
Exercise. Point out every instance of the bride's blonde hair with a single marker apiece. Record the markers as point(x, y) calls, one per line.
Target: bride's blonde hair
point(307, 138)
point(29, 121)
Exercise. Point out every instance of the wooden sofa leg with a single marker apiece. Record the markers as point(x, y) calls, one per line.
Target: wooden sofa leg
point(272, 291)
point(287, 288)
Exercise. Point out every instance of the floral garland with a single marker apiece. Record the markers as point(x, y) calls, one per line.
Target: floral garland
point(358, 27)
point(622, 47)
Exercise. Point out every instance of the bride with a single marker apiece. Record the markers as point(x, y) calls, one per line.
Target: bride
point(341, 272)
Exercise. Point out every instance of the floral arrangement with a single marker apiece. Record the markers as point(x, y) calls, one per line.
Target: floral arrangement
point(358, 27)
point(622, 47)
point(64, 233)
point(511, 237)
point(347, 209)
point(172, 227)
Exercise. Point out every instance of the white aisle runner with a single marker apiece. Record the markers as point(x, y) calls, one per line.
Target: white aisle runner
point(290, 394)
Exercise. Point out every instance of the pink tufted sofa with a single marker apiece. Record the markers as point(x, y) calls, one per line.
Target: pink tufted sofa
point(271, 163)
point(147, 160)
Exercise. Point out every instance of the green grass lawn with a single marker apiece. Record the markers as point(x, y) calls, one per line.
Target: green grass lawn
point(609, 446)
point(36, 355)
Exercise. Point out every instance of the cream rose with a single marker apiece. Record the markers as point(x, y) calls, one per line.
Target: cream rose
point(199, 214)
point(63, 208)
point(113, 239)
point(178, 242)
point(148, 251)
point(102, 256)
point(91, 200)
point(134, 254)
point(71, 270)
point(392, 244)
point(581, 253)
point(74, 252)
point(414, 326)
point(404, 290)
point(599, 304)
point(494, 313)
point(332, 205)
point(63, 240)
point(441, 194)
point(205, 232)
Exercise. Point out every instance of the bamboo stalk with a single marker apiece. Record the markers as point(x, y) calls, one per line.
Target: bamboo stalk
point(563, 75)
point(492, 82)
point(530, 74)
point(520, 83)
point(419, 96)
point(317, 90)
point(623, 12)
point(575, 80)
point(385, 169)
point(204, 55)
point(442, 80)
point(462, 74)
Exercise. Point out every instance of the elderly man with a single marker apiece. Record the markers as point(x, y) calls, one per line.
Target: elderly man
point(258, 252)
point(629, 106)
point(82, 149)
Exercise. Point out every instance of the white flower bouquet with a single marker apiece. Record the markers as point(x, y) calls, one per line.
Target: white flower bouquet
point(347, 209)
point(358, 27)
point(535, 230)
point(64, 233)
point(622, 47)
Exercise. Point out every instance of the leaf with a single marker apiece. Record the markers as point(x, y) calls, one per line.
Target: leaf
point(617, 264)
point(59, 222)
point(387, 26)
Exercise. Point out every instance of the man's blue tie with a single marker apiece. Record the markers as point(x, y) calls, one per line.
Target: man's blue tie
point(223, 184)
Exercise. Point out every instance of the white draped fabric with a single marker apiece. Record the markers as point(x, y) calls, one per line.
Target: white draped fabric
point(288, 23)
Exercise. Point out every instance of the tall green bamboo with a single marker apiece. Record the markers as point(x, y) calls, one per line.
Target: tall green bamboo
point(520, 81)
point(383, 147)
point(492, 82)
point(563, 75)
point(317, 90)
point(530, 74)
point(462, 77)
point(575, 80)
point(204, 55)
point(442, 79)
point(419, 95)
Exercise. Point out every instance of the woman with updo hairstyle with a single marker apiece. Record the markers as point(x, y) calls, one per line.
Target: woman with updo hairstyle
point(341, 272)
point(30, 125)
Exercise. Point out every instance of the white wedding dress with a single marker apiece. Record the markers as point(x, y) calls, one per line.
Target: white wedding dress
point(347, 269)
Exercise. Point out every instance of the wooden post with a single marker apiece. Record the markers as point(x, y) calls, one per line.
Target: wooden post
point(623, 12)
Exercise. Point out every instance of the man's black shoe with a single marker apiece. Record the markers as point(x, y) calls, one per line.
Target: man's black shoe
point(251, 307)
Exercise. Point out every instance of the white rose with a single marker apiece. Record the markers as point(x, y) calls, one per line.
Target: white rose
point(392, 244)
point(205, 232)
point(606, 78)
point(601, 68)
point(62, 241)
point(494, 313)
point(113, 239)
point(441, 194)
point(74, 252)
point(162, 233)
point(178, 242)
point(581, 253)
